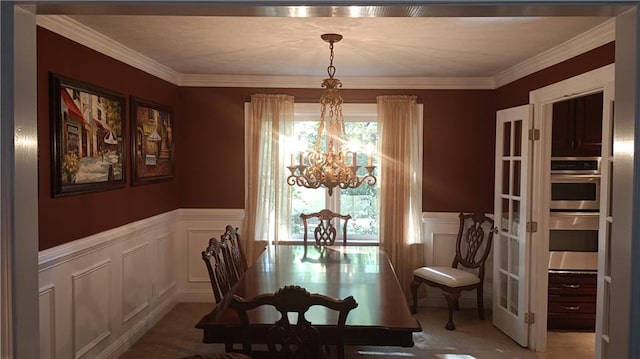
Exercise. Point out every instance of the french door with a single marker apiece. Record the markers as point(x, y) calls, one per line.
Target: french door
point(511, 239)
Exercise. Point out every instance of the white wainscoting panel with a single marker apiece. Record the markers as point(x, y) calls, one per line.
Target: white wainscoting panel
point(197, 241)
point(166, 260)
point(101, 293)
point(47, 302)
point(137, 286)
point(195, 228)
point(440, 231)
point(104, 297)
point(91, 297)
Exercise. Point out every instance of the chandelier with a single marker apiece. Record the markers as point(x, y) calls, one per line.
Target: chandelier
point(334, 167)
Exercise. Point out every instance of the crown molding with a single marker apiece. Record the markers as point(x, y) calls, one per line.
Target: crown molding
point(589, 40)
point(75, 31)
point(389, 83)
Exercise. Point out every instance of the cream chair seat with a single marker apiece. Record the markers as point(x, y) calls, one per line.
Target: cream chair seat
point(473, 246)
point(448, 276)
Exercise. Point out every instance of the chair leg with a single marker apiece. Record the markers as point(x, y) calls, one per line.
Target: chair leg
point(452, 299)
point(480, 303)
point(414, 293)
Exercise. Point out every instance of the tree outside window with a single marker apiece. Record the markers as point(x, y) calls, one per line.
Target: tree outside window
point(362, 202)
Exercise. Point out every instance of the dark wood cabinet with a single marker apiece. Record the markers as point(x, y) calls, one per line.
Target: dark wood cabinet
point(577, 127)
point(572, 300)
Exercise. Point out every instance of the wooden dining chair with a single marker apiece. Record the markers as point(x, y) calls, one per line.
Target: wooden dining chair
point(234, 255)
point(294, 340)
point(473, 245)
point(325, 232)
point(217, 269)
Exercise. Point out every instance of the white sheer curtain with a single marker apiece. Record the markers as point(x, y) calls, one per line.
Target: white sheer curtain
point(268, 200)
point(400, 130)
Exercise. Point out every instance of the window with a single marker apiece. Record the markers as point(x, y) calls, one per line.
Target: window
point(362, 202)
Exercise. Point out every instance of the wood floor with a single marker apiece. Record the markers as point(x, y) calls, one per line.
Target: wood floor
point(174, 336)
point(569, 345)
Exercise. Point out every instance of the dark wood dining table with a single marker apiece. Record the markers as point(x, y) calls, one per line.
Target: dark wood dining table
point(382, 317)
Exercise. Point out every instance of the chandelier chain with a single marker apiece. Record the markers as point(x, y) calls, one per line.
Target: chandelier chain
point(331, 70)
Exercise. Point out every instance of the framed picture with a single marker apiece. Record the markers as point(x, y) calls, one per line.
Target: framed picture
point(87, 133)
point(152, 148)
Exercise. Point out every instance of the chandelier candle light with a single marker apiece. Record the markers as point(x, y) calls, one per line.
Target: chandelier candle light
point(330, 168)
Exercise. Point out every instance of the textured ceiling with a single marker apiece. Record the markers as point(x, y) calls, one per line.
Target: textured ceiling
point(372, 46)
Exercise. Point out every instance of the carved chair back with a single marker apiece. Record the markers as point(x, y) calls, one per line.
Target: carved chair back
point(234, 255)
point(473, 243)
point(217, 269)
point(294, 340)
point(325, 232)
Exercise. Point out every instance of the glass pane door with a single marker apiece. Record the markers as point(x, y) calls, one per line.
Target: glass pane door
point(511, 206)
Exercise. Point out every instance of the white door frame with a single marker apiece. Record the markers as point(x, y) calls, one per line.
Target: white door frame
point(543, 99)
point(19, 184)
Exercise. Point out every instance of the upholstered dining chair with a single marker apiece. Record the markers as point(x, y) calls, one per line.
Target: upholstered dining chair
point(234, 255)
point(325, 232)
point(217, 269)
point(473, 245)
point(294, 340)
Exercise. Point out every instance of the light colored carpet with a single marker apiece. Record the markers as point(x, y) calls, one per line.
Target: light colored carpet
point(174, 336)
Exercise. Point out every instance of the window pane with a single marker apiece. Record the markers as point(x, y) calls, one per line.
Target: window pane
point(517, 138)
point(305, 200)
point(506, 140)
point(362, 202)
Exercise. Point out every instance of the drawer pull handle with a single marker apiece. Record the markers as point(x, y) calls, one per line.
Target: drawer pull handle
point(573, 286)
point(574, 307)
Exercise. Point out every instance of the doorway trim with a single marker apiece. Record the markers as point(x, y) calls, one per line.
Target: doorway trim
point(543, 100)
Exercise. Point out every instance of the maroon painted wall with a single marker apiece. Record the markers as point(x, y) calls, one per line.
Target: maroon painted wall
point(459, 136)
point(517, 93)
point(459, 132)
point(212, 150)
point(65, 219)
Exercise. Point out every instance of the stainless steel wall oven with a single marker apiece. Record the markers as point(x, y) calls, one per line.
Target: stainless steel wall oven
point(573, 240)
point(574, 213)
point(575, 184)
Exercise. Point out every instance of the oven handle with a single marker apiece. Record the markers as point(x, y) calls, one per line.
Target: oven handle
point(564, 177)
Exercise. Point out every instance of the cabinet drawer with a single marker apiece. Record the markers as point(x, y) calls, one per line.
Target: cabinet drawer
point(572, 284)
point(571, 298)
point(571, 307)
point(585, 280)
point(572, 289)
point(572, 301)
